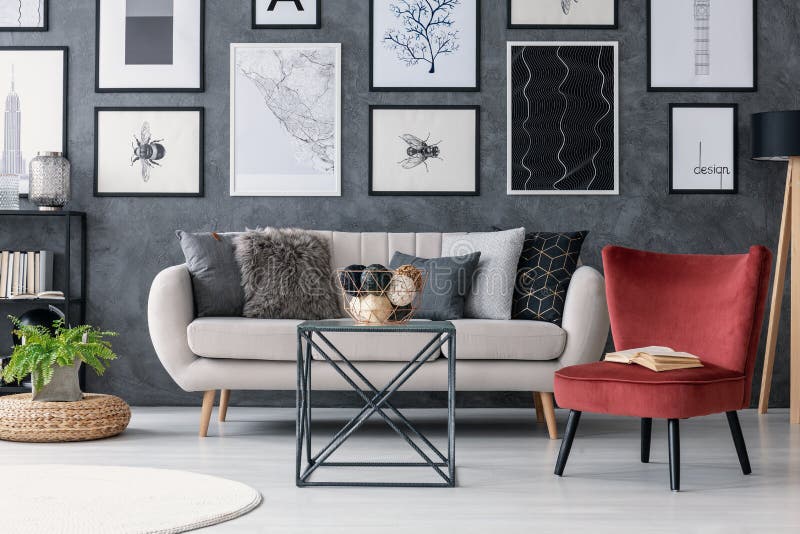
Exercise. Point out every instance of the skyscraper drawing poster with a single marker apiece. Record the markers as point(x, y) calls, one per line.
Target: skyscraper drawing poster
point(33, 82)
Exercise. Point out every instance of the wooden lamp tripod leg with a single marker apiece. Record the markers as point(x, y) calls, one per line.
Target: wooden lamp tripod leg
point(777, 294)
point(794, 388)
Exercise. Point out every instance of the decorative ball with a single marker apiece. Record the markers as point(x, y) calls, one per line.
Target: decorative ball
point(413, 273)
point(402, 290)
point(374, 309)
point(401, 313)
point(375, 278)
point(350, 279)
point(38, 317)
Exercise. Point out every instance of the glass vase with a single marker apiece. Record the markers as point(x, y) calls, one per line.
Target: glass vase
point(9, 191)
point(50, 175)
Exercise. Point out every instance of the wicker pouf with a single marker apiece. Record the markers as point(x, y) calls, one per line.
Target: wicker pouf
point(94, 417)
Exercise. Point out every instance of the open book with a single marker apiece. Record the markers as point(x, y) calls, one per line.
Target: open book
point(656, 358)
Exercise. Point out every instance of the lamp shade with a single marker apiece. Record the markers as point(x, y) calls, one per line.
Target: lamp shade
point(776, 135)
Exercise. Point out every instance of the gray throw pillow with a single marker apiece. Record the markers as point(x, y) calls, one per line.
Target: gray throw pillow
point(216, 282)
point(448, 283)
point(287, 274)
point(492, 291)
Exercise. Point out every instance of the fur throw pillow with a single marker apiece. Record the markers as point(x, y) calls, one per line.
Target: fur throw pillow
point(287, 274)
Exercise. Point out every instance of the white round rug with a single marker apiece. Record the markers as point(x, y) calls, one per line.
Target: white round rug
point(87, 499)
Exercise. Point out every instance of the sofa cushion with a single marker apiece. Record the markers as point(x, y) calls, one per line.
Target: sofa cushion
point(276, 340)
point(484, 339)
point(216, 281)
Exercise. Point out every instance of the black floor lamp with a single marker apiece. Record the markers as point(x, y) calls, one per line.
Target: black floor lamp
point(776, 137)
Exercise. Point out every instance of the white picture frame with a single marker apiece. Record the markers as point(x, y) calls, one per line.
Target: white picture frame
point(287, 165)
point(702, 45)
point(592, 166)
point(703, 149)
point(152, 46)
point(563, 14)
point(24, 15)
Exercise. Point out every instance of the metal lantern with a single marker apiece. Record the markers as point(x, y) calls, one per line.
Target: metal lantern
point(9, 191)
point(49, 181)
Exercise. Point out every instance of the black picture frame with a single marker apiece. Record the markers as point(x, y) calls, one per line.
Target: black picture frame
point(672, 189)
point(477, 188)
point(511, 26)
point(315, 26)
point(64, 92)
point(201, 168)
point(375, 89)
point(200, 89)
point(45, 19)
point(748, 89)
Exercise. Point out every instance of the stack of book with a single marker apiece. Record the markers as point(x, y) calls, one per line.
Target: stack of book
point(27, 275)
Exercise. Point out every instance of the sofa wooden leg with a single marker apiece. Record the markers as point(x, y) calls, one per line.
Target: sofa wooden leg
point(647, 431)
point(566, 444)
point(549, 408)
point(674, 454)
point(205, 412)
point(224, 397)
point(537, 403)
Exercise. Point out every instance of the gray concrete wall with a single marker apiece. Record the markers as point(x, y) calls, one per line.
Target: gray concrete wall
point(132, 239)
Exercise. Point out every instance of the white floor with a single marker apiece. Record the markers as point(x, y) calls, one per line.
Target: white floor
point(505, 480)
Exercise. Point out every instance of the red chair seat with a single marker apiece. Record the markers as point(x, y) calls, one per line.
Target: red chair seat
point(632, 390)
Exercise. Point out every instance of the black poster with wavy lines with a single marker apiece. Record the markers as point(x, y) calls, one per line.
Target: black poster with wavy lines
point(563, 118)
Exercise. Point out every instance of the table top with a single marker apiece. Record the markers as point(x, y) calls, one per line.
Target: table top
point(349, 325)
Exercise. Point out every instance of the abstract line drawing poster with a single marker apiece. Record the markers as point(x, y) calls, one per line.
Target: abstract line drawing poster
point(563, 13)
point(287, 14)
point(150, 45)
point(702, 45)
point(563, 116)
point(23, 15)
point(285, 119)
point(425, 45)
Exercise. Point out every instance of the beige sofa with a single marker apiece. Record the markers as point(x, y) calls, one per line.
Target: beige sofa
point(210, 354)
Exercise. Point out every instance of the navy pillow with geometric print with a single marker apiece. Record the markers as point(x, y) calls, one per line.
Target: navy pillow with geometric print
point(545, 270)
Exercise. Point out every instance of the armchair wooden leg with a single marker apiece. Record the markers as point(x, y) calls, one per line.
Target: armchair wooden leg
point(537, 403)
point(647, 430)
point(224, 397)
point(548, 406)
point(674, 455)
point(205, 412)
point(738, 441)
point(566, 443)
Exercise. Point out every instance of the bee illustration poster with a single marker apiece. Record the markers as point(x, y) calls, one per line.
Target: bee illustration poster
point(589, 14)
point(424, 150)
point(425, 45)
point(285, 120)
point(563, 116)
point(149, 152)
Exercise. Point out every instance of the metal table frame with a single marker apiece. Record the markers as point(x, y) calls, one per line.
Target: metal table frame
point(376, 402)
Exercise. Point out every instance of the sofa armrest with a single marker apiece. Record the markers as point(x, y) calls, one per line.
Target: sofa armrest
point(585, 318)
point(170, 309)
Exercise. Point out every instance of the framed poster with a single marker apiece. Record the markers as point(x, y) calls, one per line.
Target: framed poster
point(563, 14)
point(24, 15)
point(563, 118)
point(424, 150)
point(148, 152)
point(702, 45)
point(34, 80)
point(703, 148)
point(285, 119)
point(287, 14)
point(425, 45)
point(150, 46)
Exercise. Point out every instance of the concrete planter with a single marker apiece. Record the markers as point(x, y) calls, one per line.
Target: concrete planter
point(64, 387)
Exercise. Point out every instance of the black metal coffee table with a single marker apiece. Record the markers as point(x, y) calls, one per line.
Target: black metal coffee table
point(311, 336)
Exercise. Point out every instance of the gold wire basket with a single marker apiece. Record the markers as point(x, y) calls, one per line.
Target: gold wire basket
point(382, 296)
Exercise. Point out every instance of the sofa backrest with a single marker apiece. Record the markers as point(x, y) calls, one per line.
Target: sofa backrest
point(351, 248)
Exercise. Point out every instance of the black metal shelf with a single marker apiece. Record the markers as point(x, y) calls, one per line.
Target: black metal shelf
point(67, 218)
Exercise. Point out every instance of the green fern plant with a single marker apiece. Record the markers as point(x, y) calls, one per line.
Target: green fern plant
point(42, 350)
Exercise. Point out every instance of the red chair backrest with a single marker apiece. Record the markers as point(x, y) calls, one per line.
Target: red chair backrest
point(711, 306)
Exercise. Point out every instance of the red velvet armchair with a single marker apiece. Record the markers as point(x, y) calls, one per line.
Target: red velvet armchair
point(712, 306)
